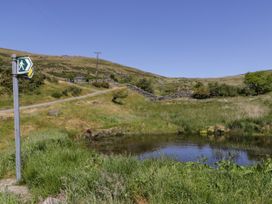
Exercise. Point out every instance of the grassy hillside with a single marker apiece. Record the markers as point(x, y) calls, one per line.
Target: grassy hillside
point(57, 163)
point(72, 66)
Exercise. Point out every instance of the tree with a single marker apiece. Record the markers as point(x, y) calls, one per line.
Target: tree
point(260, 82)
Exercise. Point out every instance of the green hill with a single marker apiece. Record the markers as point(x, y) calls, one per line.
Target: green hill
point(68, 67)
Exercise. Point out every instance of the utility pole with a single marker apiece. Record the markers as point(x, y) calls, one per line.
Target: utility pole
point(97, 60)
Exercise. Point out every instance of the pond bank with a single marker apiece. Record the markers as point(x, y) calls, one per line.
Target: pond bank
point(55, 164)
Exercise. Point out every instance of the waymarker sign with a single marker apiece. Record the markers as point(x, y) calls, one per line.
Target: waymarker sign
point(20, 66)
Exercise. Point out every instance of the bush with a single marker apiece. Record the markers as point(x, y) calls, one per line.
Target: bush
point(102, 84)
point(25, 85)
point(201, 91)
point(145, 84)
point(259, 82)
point(56, 94)
point(113, 77)
point(75, 91)
point(65, 92)
point(118, 96)
point(223, 90)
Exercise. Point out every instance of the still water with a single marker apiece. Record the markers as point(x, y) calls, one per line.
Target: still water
point(241, 150)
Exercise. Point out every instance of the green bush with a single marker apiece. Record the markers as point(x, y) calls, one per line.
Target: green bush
point(201, 91)
point(118, 96)
point(102, 84)
point(145, 84)
point(113, 77)
point(259, 82)
point(223, 90)
point(25, 85)
point(56, 94)
point(75, 91)
point(65, 92)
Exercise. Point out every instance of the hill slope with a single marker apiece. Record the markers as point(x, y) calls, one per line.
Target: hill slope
point(68, 67)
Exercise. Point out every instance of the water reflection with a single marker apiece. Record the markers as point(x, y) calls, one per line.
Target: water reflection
point(242, 150)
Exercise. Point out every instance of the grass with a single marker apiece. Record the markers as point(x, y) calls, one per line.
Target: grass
point(53, 164)
point(141, 116)
point(43, 94)
point(8, 199)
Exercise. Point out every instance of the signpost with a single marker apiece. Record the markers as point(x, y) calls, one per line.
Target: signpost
point(20, 66)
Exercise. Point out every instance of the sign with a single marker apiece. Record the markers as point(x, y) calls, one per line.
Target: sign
point(20, 65)
point(24, 65)
point(30, 73)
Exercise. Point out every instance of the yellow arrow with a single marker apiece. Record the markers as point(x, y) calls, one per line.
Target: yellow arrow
point(30, 73)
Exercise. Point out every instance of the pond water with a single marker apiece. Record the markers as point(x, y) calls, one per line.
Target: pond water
point(241, 150)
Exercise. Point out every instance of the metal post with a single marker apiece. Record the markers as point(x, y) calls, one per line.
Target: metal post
point(16, 117)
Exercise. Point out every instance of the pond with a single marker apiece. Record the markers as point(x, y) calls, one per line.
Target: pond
point(241, 150)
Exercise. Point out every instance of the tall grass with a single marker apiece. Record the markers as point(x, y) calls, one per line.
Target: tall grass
point(8, 199)
point(58, 165)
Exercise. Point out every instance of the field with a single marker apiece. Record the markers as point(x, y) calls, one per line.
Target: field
point(57, 162)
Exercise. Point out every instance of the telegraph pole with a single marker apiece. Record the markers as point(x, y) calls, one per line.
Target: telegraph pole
point(97, 59)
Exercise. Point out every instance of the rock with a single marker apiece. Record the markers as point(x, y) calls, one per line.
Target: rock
point(91, 136)
point(88, 134)
point(51, 200)
point(54, 112)
point(10, 186)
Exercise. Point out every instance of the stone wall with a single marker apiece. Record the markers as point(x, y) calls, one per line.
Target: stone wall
point(179, 94)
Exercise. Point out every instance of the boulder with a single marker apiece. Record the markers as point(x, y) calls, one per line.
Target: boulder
point(51, 200)
point(54, 113)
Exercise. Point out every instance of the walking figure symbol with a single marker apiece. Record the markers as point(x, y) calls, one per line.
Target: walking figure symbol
point(21, 65)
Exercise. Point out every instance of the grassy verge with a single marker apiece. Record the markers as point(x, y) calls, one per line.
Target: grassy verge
point(53, 164)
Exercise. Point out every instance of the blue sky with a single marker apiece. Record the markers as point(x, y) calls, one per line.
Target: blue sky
point(177, 38)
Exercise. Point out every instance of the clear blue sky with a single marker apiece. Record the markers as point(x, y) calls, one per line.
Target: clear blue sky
point(185, 38)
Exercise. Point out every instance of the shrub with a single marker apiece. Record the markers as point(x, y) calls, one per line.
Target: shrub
point(102, 84)
point(259, 82)
point(118, 96)
point(113, 77)
point(145, 84)
point(223, 90)
point(75, 91)
point(201, 91)
point(65, 92)
point(56, 94)
point(25, 84)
